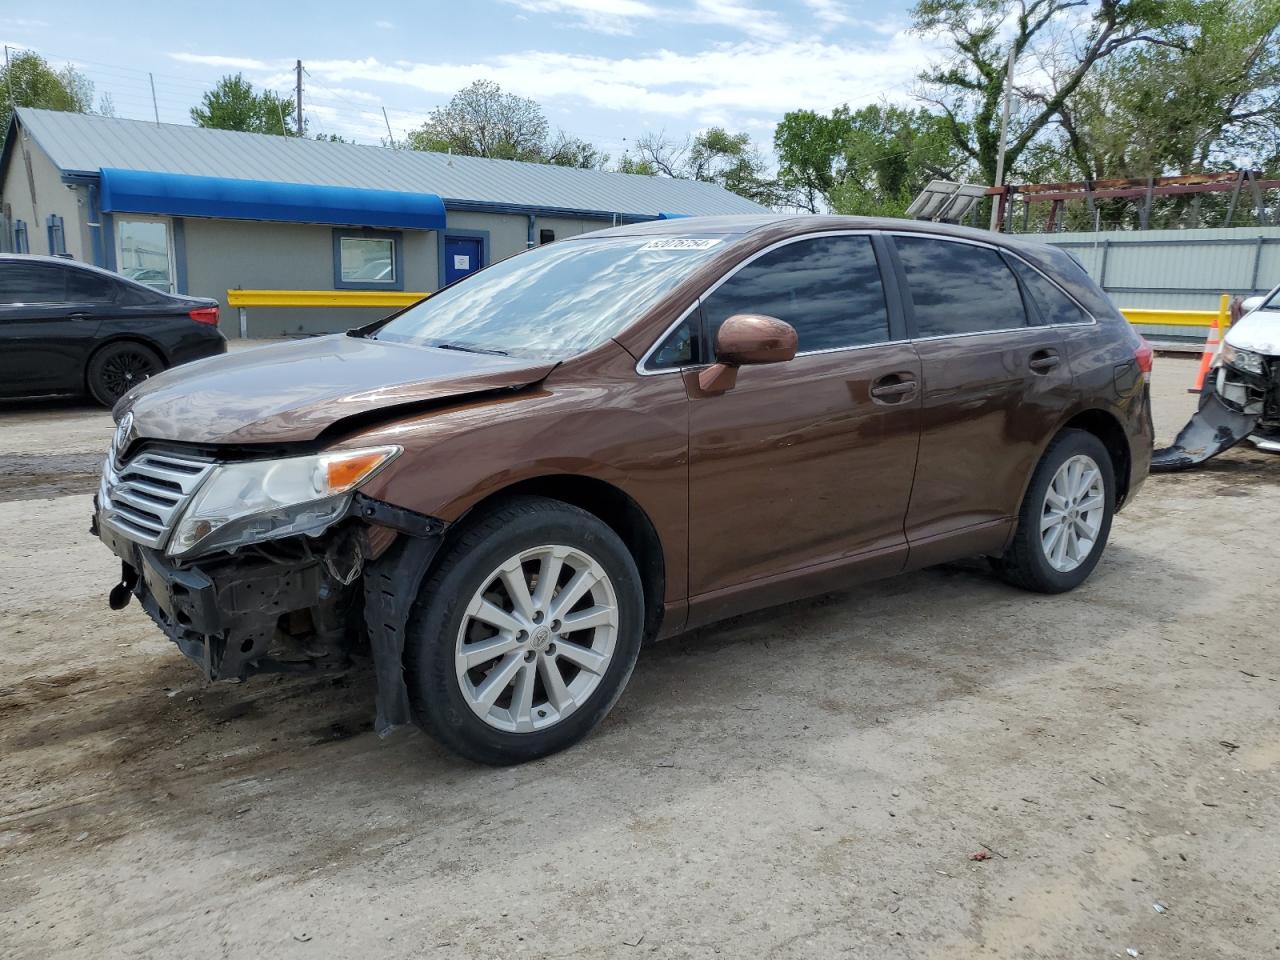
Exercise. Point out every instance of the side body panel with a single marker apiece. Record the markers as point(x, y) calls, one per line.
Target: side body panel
point(987, 416)
point(797, 466)
point(43, 347)
point(599, 420)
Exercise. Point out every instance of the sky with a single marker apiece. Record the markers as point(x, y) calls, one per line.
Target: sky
point(604, 70)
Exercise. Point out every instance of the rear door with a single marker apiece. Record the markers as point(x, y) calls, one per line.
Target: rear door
point(995, 384)
point(47, 328)
point(809, 462)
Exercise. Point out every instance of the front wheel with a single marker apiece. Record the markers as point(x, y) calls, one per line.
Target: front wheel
point(525, 634)
point(1065, 517)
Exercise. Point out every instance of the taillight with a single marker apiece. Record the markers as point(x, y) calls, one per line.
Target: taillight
point(206, 315)
point(1145, 356)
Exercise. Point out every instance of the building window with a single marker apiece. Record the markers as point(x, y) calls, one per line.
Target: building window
point(367, 260)
point(144, 252)
point(57, 238)
point(20, 242)
point(546, 236)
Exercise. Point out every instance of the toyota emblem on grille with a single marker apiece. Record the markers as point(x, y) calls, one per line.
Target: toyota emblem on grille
point(124, 434)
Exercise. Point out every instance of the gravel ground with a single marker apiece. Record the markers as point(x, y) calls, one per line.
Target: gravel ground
point(810, 781)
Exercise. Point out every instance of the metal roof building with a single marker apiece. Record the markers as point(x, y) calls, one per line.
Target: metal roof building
point(202, 211)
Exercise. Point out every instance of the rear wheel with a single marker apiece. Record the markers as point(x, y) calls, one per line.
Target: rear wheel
point(119, 367)
point(525, 634)
point(1065, 517)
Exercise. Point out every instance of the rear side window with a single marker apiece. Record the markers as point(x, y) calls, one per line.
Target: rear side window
point(958, 288)
point(32, 283)
point(828, 288)
point(1054, 305)
point(91, 287)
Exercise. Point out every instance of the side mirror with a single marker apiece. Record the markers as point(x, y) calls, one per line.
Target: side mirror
point(1250, 304)
point(746, 339)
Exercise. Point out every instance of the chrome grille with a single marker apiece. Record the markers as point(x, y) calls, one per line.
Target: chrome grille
point(142, 498)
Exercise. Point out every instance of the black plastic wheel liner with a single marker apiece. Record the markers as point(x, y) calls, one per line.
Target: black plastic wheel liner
point(390, 588)
point(1215, 427)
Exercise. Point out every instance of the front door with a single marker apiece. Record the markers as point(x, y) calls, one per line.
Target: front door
point(994, 389)
point(144, 252)
point(808, 463)
point(48, 320)
point(462, 255)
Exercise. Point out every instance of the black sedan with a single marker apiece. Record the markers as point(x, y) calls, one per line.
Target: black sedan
point(68, 328)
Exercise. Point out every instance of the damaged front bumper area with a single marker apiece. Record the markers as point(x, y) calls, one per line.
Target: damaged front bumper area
point(293, 605)
point(1234, 405)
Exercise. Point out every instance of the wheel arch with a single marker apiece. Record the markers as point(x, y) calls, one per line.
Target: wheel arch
point(612, 506)
point(1107, 428)
point(137, 338)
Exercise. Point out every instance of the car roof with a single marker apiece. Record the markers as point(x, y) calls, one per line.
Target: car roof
point(59, 262)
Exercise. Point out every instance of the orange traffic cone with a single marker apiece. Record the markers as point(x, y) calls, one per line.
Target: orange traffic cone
point(1211, 346)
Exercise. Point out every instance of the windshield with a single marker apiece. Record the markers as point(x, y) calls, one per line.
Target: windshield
point(554, 301)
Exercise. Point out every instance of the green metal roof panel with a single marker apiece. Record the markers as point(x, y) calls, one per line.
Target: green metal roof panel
point(82, 143)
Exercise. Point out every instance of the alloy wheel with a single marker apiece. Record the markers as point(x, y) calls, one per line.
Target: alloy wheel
point(125, 370)
point(1071, 518)
point(537, 638)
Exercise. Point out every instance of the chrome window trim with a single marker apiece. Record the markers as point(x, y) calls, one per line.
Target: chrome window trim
point(1091, 322)
point(640, 364)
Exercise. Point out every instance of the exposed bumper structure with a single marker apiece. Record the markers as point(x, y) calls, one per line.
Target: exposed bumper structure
point(295, 606)
point(1233, 405)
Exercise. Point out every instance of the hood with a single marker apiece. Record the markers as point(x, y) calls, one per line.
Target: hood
point(1258, 331)
point(290, 392)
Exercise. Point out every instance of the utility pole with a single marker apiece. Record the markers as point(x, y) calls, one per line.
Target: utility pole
point(391, 137)
point(154, 106)
point(299, 95)
point(1004, 137)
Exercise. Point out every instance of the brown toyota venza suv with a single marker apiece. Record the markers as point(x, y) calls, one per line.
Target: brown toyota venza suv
point(501, 493)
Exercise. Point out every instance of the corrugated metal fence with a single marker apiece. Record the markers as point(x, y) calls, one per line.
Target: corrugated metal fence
point(1177, 269)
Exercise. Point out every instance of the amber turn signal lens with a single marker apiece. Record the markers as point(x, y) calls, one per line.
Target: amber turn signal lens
point(344, 471)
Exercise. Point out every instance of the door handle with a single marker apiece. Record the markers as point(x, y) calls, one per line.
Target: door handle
point(78, 316)
point(893, 389)
point(1042, 361)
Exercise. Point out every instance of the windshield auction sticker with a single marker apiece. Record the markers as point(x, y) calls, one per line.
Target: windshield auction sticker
point(682, 243)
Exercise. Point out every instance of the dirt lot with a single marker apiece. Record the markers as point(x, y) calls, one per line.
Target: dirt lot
point(807, 782)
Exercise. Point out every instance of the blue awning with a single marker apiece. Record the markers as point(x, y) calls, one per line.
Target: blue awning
point(183, 195)
point(672, 216)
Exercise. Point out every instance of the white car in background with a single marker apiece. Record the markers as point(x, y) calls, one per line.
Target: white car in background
point(1241, 397)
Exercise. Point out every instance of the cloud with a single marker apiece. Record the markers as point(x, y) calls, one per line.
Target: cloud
point(751, 76)
point(384, 24)
point(600, 16)
point(828, 13)
point(619, 17)
point(232, 63)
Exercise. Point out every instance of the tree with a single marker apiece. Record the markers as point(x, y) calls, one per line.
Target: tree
point(1208, 97)
point(233, 104)
point(712, 156)
point(29, 81)
point(870, 161)
point(481, 120)
point(1054, 50)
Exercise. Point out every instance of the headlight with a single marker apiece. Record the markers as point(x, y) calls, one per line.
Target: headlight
point(266, 499)
point(1245, 360)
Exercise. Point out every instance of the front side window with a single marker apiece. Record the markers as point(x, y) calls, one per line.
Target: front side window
point(1054, 305)
point(554, 301)
point(367, 261)
point(30, 283)
point(957, 288)
point(828, 288)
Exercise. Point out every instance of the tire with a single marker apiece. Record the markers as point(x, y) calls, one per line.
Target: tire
point(118, 367)
point(447, 624)
point(1033, 562)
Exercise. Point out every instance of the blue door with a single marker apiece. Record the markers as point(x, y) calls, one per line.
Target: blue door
point(461, 256)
